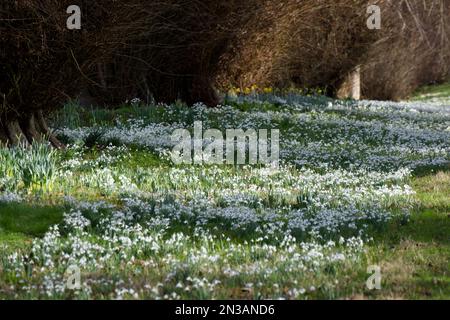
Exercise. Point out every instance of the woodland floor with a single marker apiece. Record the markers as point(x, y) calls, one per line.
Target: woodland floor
point(359, 184)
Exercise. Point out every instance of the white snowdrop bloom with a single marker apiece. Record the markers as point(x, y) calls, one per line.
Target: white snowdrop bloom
point(9, 197)
point(345, 169)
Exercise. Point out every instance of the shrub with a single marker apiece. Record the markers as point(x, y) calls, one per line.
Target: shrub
point(413, 49)
point(180, 49)
point(308, 43)
point(42, 63)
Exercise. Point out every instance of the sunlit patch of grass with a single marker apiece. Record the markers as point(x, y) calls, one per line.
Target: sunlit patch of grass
point(414, 257)
point(433, 191)
point(433, 93)
point(13, 241)
point(142, 159)
point(177, 225)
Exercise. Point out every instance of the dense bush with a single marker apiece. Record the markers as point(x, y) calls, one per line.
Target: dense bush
point(302, 43)
point(179, 49)
point(307, 43)
point(176, 54)
point(42, 63)
point(316, 43)
point(413, 49)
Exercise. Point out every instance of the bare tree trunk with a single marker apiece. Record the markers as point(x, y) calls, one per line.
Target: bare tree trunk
point(29, 129)
point(15, 134)
point(351, 86)
point(42, 125)
point(26, 131)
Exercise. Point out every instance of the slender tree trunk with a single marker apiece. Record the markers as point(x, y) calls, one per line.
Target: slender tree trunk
point(351, 86)
point(42, 125)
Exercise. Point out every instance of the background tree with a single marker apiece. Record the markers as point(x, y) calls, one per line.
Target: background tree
point(184, 49)
point(43, 64)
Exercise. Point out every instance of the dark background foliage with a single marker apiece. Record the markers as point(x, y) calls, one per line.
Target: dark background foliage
point(188, 50)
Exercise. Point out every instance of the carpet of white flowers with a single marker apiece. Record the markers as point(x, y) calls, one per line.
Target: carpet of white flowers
point(138, 226)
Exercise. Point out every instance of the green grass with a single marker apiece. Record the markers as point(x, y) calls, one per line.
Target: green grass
point(19, 223)
point(437, 92)
point(14, 240)
point(414, 258)
point(22, 221)
point(142, 159)
point(413, 255)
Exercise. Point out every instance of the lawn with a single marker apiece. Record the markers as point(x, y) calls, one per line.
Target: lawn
point(433, 93)
point(359, 184)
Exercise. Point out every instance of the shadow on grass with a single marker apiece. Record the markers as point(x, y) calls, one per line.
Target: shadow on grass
point(28, 220)
point(428, 226)
point(414, 256)
point(431, 170)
